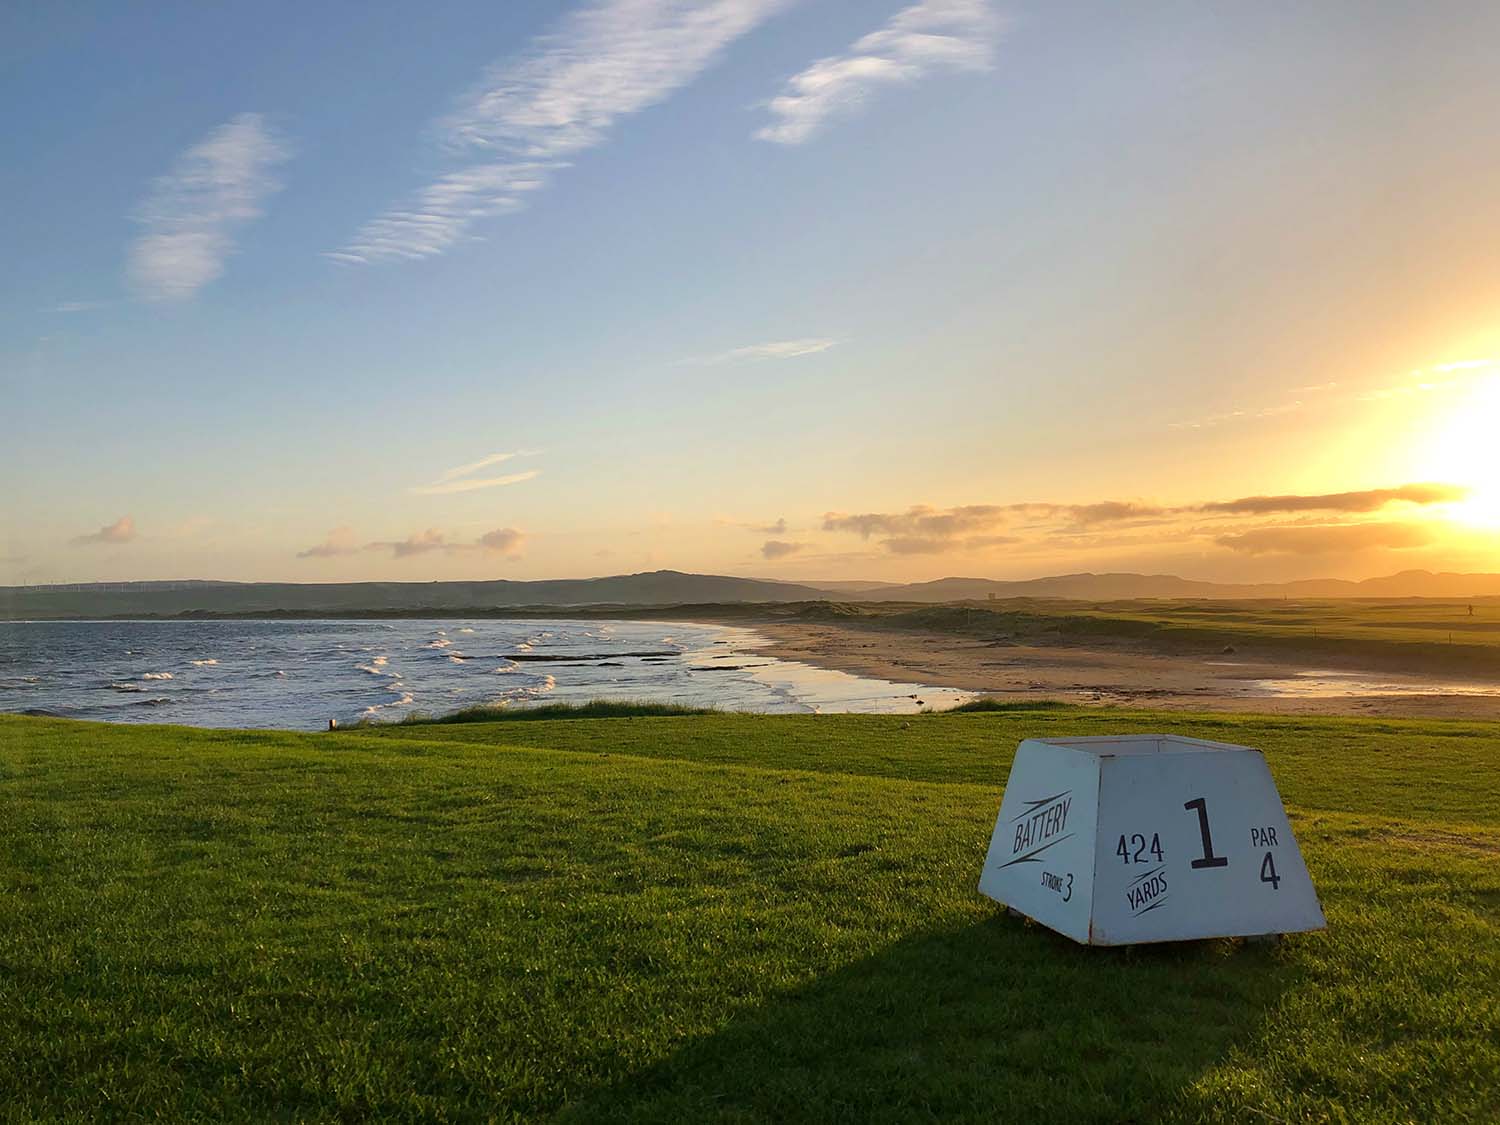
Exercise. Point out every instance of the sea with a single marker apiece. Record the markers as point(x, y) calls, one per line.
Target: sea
point(301, 674)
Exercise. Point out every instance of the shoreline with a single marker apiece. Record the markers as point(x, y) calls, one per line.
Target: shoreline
point(1118, 676)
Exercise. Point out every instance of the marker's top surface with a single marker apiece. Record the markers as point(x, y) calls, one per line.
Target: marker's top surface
point(1108, 746)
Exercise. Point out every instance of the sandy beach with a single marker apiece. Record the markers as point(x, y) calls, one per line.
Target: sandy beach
point(1123, 676)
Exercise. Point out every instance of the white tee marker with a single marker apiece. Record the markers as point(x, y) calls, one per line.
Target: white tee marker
point(1117, 841)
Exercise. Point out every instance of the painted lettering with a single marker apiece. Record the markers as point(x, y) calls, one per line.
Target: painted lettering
point(1263, 838)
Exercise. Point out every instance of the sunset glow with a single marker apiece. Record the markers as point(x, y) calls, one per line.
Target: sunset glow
point(757, 287)
point(1462, 445)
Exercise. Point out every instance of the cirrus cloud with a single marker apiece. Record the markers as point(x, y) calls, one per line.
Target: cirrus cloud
point(461, 478)
point(530, 114)
point(771, 349)
point(189, 219)
point(923, 39)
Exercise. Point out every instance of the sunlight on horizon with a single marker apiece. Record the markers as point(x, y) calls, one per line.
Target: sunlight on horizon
point(1462, 446)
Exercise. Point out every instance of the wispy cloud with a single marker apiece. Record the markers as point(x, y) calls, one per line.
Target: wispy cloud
point(77, 306)
point(503, 540)
point(1325, 539)
point(779, 549)
point(475, 466)
point(921, 520)
point(418, 543)
point(924, 39)
point(531, 114)
point(474, 483)
point(1368, 500)
point(1436, 379)
point(773, 349)
point(121, 531)
point(978, 527)
point(506, 541)
point(461, 478)
point(340, 541)
point(191, 214)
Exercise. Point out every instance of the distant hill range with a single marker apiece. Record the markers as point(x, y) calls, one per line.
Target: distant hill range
point(667, 588)
point(1115, 587)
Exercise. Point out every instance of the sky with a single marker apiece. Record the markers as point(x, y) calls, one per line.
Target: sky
point(801, 289)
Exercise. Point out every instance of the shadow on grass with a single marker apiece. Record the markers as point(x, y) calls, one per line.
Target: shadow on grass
point(995, 1021)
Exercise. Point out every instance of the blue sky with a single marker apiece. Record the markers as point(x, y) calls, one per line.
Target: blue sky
point(717, 275)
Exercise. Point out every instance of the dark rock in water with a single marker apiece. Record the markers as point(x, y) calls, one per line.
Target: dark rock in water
point(537, 657)
point(1227, 650)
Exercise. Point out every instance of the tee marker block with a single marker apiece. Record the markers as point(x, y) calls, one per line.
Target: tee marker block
point(1118, 841)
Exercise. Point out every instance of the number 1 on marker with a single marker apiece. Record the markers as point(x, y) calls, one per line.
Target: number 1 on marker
point(1209, 859)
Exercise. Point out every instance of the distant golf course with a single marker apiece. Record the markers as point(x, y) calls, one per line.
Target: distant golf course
point(709, 917)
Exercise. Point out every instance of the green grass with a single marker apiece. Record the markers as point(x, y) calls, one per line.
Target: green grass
point(501, 713)
point(1408, 634)
point(716, 917)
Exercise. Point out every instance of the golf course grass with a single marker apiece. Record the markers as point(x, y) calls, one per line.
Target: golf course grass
point(709, 918)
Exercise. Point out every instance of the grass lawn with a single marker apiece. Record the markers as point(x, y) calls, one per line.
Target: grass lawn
point(718, 917)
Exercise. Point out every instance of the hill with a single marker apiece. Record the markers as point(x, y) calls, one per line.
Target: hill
point(661, 587)
point(664, 588)
point(1111, 587)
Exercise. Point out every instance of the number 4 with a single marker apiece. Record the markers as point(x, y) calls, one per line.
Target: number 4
point(1268, 872)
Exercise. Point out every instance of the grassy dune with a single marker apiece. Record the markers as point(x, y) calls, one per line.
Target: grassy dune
point(717, 917)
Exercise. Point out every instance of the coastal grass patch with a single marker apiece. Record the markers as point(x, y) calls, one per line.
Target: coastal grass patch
point(709, 917)
point(590, 709)
point(1456, 637)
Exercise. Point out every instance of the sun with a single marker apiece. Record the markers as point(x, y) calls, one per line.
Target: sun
point(1463, 448)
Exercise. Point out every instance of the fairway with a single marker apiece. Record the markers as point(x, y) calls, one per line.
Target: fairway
point(709, 917)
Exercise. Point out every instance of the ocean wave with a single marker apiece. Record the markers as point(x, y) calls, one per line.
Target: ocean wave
point(466, 630)
point(531, 691)
point(403, 699)
point(440, 642)
point(376, 667)
point(154, 701)
point(126, 687)
point(156, 675)
point(204, 663)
